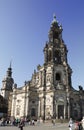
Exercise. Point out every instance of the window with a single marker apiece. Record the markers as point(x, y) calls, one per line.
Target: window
point(33, 102)
point(56, 35)
point(57, 56)
point(49, 55)
point(58, 76)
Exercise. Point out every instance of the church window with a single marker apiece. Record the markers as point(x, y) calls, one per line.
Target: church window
point(58, 76)
point(57, 56)
point(49, 55)
point(18, 100)
point(33, 101)
point(56, 35)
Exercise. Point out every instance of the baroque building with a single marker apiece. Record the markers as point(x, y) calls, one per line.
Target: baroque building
point(49, 94)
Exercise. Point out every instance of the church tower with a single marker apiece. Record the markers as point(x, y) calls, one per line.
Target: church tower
point(7, 83)
point(57, 73)
point(55, 55)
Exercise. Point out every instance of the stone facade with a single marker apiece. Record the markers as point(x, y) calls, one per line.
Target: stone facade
point(49, 94)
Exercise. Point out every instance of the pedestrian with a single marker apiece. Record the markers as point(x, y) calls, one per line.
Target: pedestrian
point(61, 119)
point(83, 123)
point(80, 126)
point(70, 124)
point(76, 125)
point(53, 121)
point(21, 124)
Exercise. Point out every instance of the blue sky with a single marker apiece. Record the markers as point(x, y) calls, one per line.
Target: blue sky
point(24, 26)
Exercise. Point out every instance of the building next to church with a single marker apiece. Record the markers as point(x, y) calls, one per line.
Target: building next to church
point(49, 94)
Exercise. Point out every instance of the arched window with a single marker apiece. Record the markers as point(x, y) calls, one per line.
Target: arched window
point(57, 56)
point(58, 76)
point(49, 55)
point(33, 112)
point(55, 35)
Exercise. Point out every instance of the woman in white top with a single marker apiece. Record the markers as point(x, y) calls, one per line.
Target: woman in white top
point(83, 123)
point(70, 124)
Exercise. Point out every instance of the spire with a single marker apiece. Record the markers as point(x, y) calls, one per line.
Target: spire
point(55, 31)
point(54, 18)
point(9, 71)
point(54, 22)
point(10, 64)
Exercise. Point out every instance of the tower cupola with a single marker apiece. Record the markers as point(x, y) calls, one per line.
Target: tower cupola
point(55, 51)
point(55, 30)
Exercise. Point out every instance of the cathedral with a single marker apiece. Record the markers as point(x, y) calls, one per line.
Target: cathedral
point(49, 94)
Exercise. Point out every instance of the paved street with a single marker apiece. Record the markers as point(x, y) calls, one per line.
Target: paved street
point(45, 126)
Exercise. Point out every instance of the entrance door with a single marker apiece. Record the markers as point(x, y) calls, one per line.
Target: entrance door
point(33, 112)
point(60, 111)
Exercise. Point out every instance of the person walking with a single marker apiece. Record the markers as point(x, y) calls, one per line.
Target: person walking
point(80, 126)
point(82, 123)
point(76, 125)
point(21, 124)
point(70, 124)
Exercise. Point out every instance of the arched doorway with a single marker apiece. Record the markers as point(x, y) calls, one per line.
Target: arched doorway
point(33, 112)
point(60, 111)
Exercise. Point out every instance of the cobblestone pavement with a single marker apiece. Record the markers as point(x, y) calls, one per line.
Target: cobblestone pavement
point(41, 126)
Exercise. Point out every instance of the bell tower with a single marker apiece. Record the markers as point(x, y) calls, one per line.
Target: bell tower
point(55, 51)
point(7, 83)
point(57, 72)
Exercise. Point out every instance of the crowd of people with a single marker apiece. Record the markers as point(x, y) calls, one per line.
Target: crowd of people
point(77, 125)
point(15, 122)
point(73, 125)
point(20, 123)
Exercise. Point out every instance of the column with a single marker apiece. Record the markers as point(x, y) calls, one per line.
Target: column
point(13, 106)
point(64, 111)
point(39, 108)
